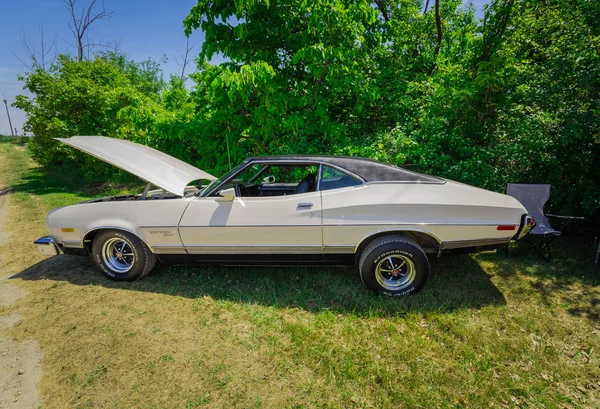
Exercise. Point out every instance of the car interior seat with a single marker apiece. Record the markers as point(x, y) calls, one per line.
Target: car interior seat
point(308, 184)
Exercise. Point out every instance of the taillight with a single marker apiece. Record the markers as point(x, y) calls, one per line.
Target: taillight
point(506, 227)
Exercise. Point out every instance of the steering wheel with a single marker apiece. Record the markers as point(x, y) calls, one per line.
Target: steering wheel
point(240, 190)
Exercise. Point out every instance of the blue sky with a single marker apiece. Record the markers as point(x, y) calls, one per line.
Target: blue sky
point(146, 29)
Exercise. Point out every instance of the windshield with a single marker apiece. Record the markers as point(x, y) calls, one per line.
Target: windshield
point(218, 181)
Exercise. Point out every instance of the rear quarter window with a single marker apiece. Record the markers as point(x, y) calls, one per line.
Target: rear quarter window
point(332, 178)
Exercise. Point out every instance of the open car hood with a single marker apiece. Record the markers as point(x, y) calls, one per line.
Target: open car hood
point(153, 166)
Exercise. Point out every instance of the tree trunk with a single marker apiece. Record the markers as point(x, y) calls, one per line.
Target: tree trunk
point(382, 9)
point(438, 25)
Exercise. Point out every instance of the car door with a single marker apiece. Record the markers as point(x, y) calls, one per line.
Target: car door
point(343, 215)
point(289, 224)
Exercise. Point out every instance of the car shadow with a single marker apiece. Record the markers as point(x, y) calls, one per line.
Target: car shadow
point(455, 283)
point(570, 281)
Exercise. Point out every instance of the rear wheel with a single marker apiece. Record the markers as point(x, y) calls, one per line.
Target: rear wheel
point(121, 256)
point(394, 265)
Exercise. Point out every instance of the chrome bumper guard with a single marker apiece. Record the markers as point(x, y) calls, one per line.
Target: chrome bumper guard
point(47, 246)
point(528, 224)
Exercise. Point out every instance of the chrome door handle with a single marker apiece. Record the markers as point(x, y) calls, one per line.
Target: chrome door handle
point(305, 205)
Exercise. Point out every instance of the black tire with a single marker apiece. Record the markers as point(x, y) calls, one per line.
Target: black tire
point(403, 266)
point(136, 259)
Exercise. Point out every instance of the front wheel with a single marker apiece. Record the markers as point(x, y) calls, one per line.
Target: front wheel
point(394, 265)
point(121, 256)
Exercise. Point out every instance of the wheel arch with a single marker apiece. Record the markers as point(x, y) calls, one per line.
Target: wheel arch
point(428, 241)
point(88, 237)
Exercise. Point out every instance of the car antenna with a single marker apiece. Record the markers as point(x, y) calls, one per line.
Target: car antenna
point(228, 155)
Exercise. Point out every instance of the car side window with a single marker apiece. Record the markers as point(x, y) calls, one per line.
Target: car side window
point(290, 174)
point(249, 174)
point(332, 178)
point(273, 180)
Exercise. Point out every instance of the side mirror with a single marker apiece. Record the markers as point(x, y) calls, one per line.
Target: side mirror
point(227, 195)
point(269, 179)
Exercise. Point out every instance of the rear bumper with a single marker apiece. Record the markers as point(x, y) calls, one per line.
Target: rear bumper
point(527, 223)
point(47, 246)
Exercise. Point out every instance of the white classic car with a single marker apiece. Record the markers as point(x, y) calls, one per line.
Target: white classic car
point(279, 210)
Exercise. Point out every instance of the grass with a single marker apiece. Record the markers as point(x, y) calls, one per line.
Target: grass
point(488, 331)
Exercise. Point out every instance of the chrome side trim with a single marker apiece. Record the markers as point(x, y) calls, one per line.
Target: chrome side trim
point(158, 227)
point(250, 225)
point(409, 224)
point(407, 182)
point(76, 244)
point(253, 249)
point(338, 249)
point(339, 225)
point(169, 249)
point(447, 245)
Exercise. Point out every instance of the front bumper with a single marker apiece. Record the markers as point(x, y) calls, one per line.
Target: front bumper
point(47, 246)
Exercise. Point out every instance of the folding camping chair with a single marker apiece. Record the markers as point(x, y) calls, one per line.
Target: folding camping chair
point(533, 198)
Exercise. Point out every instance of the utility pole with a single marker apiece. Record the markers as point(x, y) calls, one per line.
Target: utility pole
point(9, 122)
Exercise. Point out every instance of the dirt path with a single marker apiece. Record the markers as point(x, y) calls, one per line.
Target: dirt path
point(20, 362)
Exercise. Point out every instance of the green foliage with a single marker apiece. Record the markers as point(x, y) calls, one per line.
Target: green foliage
point(514, 97)
point(96, 97)
point(526, 109)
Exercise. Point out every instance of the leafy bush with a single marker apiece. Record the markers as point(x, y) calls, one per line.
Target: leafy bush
point(84, 98)
point(23, 140)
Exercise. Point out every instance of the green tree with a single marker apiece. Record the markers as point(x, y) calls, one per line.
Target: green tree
point(513, 97)
point(297, 71)
point(86, 97)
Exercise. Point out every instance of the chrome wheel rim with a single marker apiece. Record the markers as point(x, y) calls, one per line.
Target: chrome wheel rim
point(395, 272)
point(117, 255)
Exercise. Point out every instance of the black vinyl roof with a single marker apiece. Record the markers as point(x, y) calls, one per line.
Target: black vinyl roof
point(368, 169)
